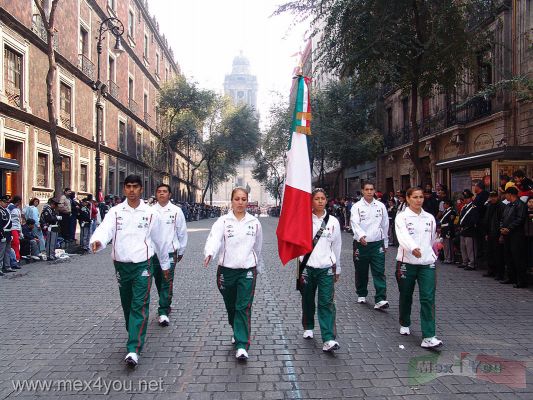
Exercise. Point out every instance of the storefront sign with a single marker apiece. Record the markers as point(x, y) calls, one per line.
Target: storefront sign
point(483, 142)
point(450, 150)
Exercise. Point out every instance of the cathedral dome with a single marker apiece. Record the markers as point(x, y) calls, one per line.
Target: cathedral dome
point(241, 65)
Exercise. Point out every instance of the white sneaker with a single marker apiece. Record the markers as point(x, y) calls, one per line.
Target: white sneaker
point(383, 304)
point(132, 359)
point(404, 330)
point(308, 334)
point(241, 354)
point(163, 320)
point(35, 257)
point(430, 343)
point(232, 340)
point(361, 300)
point(330, 345)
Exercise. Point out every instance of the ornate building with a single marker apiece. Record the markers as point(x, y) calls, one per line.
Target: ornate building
point(241, 86)
point(130, 119)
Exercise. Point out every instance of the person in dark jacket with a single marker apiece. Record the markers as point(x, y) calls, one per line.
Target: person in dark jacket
point(430, 205)
point(84, 218)
point(491, 226)
point(49, 226)
point(447, 230)
point(514, 240)
point(468, 221)
point(29, 245)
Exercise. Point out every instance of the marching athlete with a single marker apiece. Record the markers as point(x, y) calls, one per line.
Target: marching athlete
point(416, 231)
point(238, 235)
point(370, 226)
point(320, 270)
point(136, 230)
point(175, 240)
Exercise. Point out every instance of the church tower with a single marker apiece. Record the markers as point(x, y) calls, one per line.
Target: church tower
point(241, 85)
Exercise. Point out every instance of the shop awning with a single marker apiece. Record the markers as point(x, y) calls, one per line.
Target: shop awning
point(504, 153)
point(9, 164)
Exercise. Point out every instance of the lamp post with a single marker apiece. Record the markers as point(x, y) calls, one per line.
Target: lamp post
point(116, 28)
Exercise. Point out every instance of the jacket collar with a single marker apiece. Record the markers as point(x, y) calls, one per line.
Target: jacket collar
point(246, 218)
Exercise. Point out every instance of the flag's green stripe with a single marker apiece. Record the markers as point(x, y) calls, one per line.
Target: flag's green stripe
point(298, 107)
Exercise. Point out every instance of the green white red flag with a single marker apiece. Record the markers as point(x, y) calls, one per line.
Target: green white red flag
point(295, 228)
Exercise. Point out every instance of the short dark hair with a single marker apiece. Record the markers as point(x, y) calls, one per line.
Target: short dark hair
point(319, 190)
point(30, 221)
point(519, 174)
point(411, 190)
point(369, 183)
point(163, 185)
point(66, 189)
point(448, 201)
point(16, 199)
point(132, 179)
point(512, 190)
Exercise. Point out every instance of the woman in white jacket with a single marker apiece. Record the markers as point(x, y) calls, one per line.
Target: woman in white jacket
point(416, 232)
point(237, 237)
point(321, 271)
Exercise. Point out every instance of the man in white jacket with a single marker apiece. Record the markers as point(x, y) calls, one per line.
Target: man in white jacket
point(175, 240)
point(370, 224)
point(136, 230)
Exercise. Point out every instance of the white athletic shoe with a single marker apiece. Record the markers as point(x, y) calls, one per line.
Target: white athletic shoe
point(430, 343)
point(361, 300)
point(308, 334)
point(232, 340)
point(163, 320)
point(330, 345)
point(404, 330)
point(241, 354)
point(383, 304)
point(132, 359)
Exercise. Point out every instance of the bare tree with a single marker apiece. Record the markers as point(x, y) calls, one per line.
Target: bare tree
point(47, 10)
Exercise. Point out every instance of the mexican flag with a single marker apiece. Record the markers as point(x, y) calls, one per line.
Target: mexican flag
point(295, 228)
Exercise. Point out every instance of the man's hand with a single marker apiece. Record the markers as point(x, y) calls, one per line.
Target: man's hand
point(337, 277)
point(417, 253)
point(207, 260)
point(363, 241)
point(96, 246)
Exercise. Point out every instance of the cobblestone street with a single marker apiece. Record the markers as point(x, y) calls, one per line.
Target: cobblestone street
point(63, 322)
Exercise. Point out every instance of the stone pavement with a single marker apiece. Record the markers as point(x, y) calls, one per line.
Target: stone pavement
point(62, 325)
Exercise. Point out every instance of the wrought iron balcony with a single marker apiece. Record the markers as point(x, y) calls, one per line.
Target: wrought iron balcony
point(147, 118)
point(113, 89)
point(13, 95)
point(133, 106)
point(86, 66)
point(65, 118)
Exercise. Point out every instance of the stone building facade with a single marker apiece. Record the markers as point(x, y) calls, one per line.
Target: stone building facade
point(130, 121)
point(462, 142)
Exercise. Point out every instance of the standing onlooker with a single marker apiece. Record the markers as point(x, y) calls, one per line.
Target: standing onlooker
point(416, 230)
point(64, 210)
point(402, 203)
point(32, 212)
point(49, 227)
point(5, 235)
point(84, 217)
point(370, 225)
point(468, 221)
point(391, 211)
point(529, 232)
point(75, 209)
point(431, 205)
point(504, 179)
point(447, 230)
point(16, 228)
point(512, 230)
point(94, 212)
point(491, 226)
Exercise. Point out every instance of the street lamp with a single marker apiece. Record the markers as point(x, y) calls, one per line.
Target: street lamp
point(115, 26)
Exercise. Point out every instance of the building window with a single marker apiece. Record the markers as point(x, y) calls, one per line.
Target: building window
point(177, 166)
point(146, 46)
point(405, 112)
point(131, 24)
point(13, 76)
point(84, 42)
point(65, 105)
point(42, 170)
point(139, 143)
point(166, 74)
point(121, 135)
point(121, 177)
point(111, 182)
point(111, 69)
point(83, 178)
point(65, 171)
point(389, 121)
point(157, 64)
point(130, 88)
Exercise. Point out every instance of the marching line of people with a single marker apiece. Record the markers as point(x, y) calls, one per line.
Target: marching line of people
point(149, 241)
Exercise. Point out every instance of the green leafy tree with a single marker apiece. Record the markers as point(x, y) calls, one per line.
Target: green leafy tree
point(413, 45)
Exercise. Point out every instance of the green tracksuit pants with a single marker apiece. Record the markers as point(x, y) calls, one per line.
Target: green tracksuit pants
point(322, 279)
point(165, 287)
point(134, 282)
point(407, 275)
point(370, 256)
point(237, 287)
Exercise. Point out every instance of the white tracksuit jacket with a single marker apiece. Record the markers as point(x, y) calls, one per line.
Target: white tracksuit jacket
point(174, 228)
point(327, 251)
point(416, 231)
point(239, 242)
point(370, 220)
point(137, 234)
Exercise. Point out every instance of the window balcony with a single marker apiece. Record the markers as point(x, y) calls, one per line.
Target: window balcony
point(66, 119)
point(147, 118)
point(86, 66)
point(113, 89)
point(133, 106)
point(13, 95)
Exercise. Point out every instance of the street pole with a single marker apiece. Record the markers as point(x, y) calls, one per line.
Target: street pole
point(115, 26)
